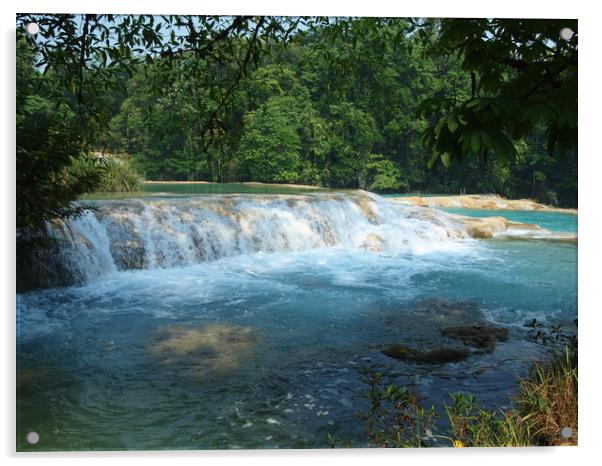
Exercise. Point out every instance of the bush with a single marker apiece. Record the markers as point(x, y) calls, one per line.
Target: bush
point(549, 197)
point(548, 398)
point(472, 426)
point(396, 417)
point(383, 175)
point(49, 146)
point(546, 403)
point(118, 175)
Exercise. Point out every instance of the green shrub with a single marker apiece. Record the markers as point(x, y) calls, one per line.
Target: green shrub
point(396, 417)
point(472, 426)
point(383, 175)
point(118, 175)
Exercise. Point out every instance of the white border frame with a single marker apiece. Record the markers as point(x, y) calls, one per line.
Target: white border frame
point(589, 225)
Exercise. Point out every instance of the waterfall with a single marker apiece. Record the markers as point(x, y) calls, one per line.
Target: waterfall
point(177, 232)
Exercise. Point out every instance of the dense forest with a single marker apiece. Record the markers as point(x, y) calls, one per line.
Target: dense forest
point(330, 113)
point(342, 104)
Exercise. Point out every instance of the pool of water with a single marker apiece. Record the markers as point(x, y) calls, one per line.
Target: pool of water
point(158, 190)
point(419, 194)
point(166, 189)
point(553, 221)
point(122, 362)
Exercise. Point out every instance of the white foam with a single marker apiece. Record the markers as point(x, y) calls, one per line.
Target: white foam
point(172, 233)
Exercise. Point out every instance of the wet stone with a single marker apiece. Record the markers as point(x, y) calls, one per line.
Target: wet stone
point(442, 355)
point(440, 311)
point(480, 335)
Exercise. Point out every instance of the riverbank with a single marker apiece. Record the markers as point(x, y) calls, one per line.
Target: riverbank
point(480, 201)
point(245, 183)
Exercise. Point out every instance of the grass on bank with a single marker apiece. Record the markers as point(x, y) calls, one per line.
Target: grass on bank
point(549, 398)
point(546, 403)
point(116, 172)
point(119, 176)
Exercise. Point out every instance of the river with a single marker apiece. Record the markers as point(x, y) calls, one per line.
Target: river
point(250, 320)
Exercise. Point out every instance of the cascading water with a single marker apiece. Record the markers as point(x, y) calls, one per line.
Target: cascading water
point(147, 234)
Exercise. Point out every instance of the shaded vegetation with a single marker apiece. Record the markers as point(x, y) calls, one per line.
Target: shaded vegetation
point(523, 78)
point(118, 175)
point(49, 146)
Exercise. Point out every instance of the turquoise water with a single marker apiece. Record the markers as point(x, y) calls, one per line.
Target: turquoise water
point(245, 188)
point(553, 221)
point(160, 190)
point(304, 326)
point(415, 194)
point(186, 189)
point(225, 188)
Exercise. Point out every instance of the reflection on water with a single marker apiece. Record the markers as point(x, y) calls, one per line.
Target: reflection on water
point(175, 189)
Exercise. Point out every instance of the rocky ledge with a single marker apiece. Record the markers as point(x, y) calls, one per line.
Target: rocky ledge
point(489, 227)
point(480, 201)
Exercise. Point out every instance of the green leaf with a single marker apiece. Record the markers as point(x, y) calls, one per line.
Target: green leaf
point(439, 126)
point(487, 141)
point(475, 142)
point(473, 103)
point(446, 159)
point(452, 123)
point(432, 160)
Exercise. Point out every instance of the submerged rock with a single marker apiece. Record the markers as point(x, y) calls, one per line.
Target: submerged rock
point(433, 322)
point(440, 355)
point(372, 243)
point(439, 311)
point(30, 380)
point(422, 321)
point(480, 335)
point(215, 347)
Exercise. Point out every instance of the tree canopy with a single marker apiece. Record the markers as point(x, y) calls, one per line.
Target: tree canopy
point(523, 75)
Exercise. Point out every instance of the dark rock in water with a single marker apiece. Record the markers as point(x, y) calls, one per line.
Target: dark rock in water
point(440, 312)
point(480, 335)
point(41, 264)
point(128, 255)
point(441, 355)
